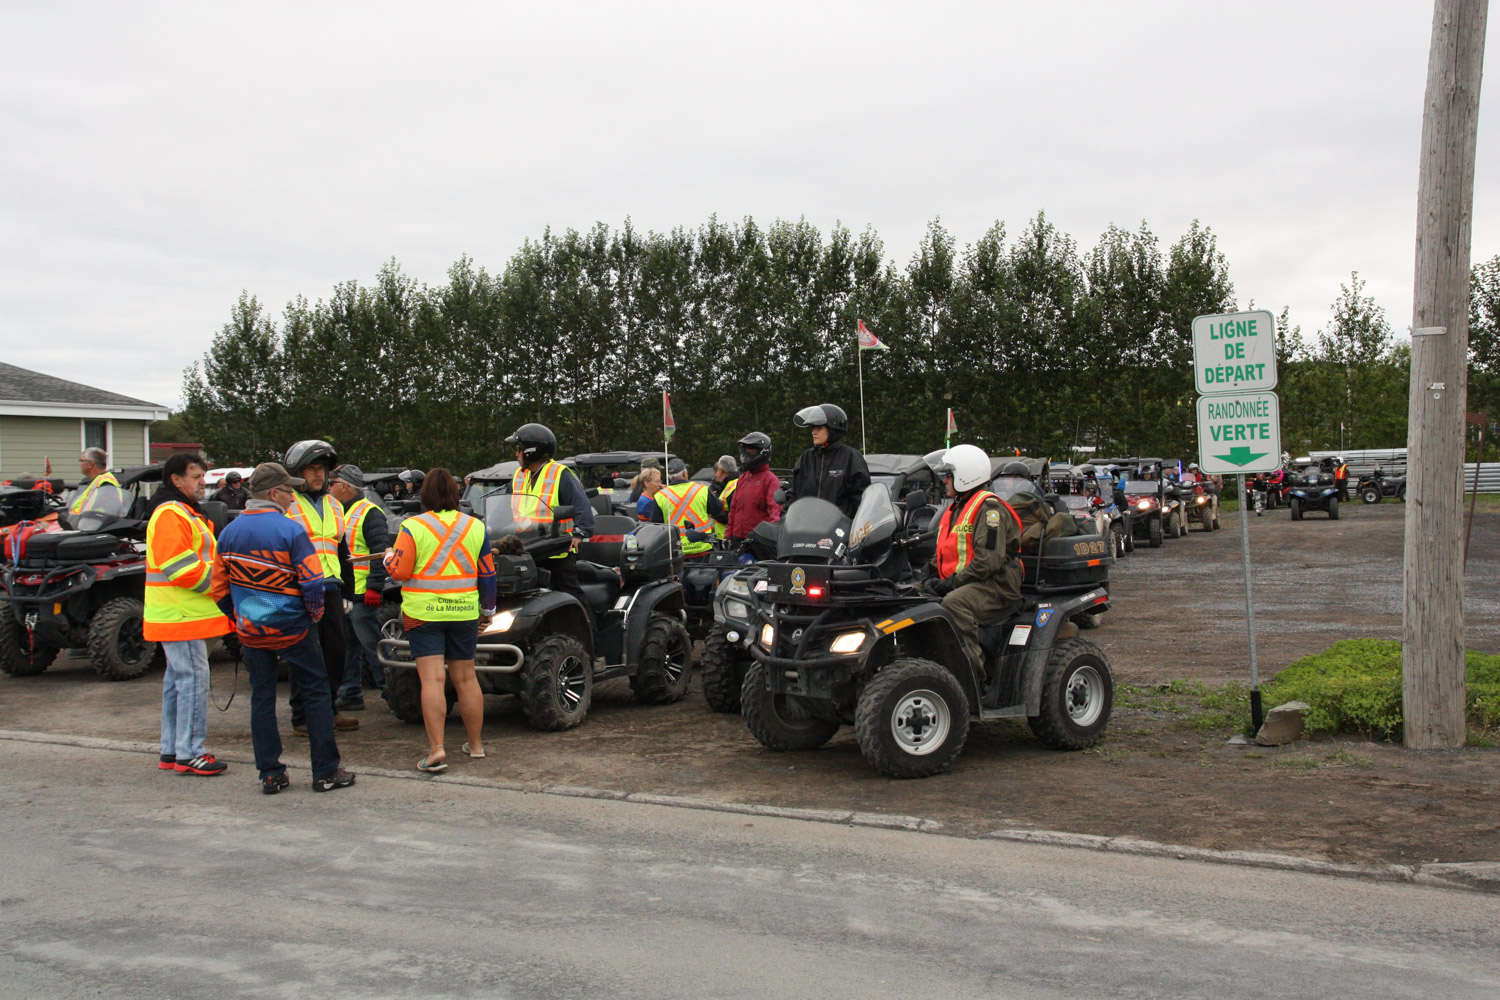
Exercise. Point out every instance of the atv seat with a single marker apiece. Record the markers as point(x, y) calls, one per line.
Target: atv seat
point(601, 585)
point(605, 545)
point(603, 506)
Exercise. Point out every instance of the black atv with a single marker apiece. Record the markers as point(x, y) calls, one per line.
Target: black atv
point(1200, 503)
point(1376, 486)
point(85, 587)
point(837, 639)
point(1312, 489)
point(543, 645)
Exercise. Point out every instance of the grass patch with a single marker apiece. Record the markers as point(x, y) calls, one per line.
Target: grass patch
point(1482, 740)
point(1354, 686)
point(1196, 705)
point(1344, 757)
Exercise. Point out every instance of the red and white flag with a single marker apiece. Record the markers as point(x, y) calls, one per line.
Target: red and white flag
point(868, 341)
point(48, 460)
point(668, 425)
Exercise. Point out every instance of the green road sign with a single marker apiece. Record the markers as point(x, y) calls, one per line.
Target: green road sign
point(1239, 432)
point(1234, 353)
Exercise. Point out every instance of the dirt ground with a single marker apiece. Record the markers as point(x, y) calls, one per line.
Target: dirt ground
point(1164, 772)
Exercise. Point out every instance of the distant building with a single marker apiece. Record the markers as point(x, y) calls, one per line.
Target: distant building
point(43, 417)
point(163, 450)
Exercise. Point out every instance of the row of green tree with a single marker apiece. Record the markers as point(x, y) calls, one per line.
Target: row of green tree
point(1036, 345)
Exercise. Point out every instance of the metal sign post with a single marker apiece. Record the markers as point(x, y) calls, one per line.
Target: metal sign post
point(1239, 424)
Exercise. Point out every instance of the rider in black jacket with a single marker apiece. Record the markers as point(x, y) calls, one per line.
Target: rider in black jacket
point(829, 469)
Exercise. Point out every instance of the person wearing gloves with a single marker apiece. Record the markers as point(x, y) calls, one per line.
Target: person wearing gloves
point(977, 571)
point(443, 561)
point(181, 614)
point(830, 469)
point(367, 537)
point(267, 575)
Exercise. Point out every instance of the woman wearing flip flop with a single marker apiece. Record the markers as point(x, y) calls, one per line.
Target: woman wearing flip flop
point(443, 562)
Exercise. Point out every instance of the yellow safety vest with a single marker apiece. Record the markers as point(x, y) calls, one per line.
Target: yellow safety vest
point(81, 501)
point(546, 485)
point(179, 571)
point(354, 534)
point(719, 526)
point(445, 585)
point(324, 523)
point(685, 506)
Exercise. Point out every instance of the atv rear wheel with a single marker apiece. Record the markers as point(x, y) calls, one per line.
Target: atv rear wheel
point(1153, 529)
point(1117, 533)
point(1078, 692)
point(722, 670)
point(666, 664)
point(20, 654)
point(118, 650)
point(912, 719)
point(557, 683)
point(776, 720)
point(1370, 494)
point(1296, 506)
point(403, 692)
point(1333, 508)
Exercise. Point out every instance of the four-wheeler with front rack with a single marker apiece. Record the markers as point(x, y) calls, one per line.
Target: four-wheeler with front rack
point(837, 639)
point(1156, 510)
point(544, 645)
point(84, 587)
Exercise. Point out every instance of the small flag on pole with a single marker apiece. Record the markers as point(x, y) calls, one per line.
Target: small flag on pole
point(952, 430)
point(868, 341)
point(48, 460)
point(668, 425)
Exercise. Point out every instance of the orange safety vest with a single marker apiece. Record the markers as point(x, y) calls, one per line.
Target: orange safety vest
point(955, 544)
point(178, 577)
point(445, 585)
point(324, 523)
point(545, 485)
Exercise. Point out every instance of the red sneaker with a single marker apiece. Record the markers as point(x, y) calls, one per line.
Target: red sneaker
point(168, 762)
point(204, 764)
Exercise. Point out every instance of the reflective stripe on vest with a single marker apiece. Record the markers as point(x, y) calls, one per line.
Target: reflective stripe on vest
point(720, 527)
point(445, 586)
point(545, 486)
point(354, 534)
point(685, 505)
point(167, 601)
point(324, 523)
point(954, 547)
point(81, 501)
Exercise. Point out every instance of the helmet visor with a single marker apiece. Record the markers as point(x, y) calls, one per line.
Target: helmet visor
point(810, 416)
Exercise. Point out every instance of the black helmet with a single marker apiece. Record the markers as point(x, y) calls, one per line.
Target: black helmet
point(822, 415)
point(535, 441)
point(233, 478)
point(413, 477)
point(757, 440)
point(1016, 469)
point(304, 453)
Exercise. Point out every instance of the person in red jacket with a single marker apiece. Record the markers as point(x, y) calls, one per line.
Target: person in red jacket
point(754, 498)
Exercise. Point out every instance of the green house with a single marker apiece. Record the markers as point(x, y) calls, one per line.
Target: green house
point(44, 418)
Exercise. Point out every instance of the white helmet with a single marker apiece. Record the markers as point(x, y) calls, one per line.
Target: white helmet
point(969, 467)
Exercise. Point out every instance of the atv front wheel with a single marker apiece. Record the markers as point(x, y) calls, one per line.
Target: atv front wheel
point(403, 692)
point(666, 665)
point(722, 670)
point(1370, 494)
point(1153, 529)
point(1117, 533)
point(912, 719)
point(1333, 508)
point(118, 650)
point(1296, 507)
point(557, 683)
point(1078, 693)
point(778, 721)
point(20, 654)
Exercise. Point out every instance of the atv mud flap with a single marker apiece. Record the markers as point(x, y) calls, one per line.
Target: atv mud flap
point(395, 654)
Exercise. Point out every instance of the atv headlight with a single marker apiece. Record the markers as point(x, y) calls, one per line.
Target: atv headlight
point(767, 636)
point(1143, 505)
point(503, 622)
point(737, 609)
point(849, 642)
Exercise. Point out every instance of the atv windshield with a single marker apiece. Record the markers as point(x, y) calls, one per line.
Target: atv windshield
point(874, 520)
point(106, 503)
point(1006, 487)
point(525, 516)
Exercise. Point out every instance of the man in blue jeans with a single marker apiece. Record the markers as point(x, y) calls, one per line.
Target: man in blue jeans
point(368, 537)
point(269, 579)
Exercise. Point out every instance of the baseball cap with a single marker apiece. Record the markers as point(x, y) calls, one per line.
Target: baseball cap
point(270, 475)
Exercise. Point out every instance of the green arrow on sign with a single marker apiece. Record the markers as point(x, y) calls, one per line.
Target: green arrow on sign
point(1242, 455)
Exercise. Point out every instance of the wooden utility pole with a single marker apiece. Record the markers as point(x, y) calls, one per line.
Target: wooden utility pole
point(1432, 661)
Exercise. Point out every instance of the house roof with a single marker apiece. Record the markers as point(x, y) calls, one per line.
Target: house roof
point(23, 386)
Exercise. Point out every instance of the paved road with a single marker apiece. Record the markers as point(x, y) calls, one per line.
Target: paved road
point(121, 882)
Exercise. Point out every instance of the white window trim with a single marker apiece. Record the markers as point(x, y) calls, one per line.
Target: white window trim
point(109, 437)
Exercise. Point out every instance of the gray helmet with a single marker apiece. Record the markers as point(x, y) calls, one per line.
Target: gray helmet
point(304, 453)
point(1016, 469)
point(822, 415)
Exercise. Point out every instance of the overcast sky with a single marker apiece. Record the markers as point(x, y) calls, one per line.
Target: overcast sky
point(155, 159)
